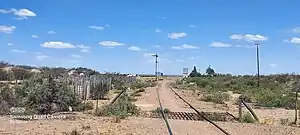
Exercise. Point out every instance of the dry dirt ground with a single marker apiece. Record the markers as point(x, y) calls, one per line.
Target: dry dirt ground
point(271, 116)
point(143, 126)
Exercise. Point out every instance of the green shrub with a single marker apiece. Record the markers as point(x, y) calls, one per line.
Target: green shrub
point(44, 95)
point(284, 121)
point(270, 94)
point(89, 105)
point(246, 98)
point(216, 97)
point(247, 118)
point(4, 107)
point(138, 92)
point(273, 98)
point(158, 110)
point(123, 107)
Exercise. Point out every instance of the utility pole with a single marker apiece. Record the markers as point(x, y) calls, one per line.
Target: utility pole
point(257, 63)
point(156, 65)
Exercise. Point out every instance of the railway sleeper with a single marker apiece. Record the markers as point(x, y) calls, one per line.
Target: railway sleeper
point(214, 116)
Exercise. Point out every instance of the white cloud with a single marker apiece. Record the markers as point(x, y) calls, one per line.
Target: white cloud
point(76, 56)
point(7, 29)
point(294, 40)
point(84, 50)
point(189, 46)
point(17, 51)
point(296, 30)
point(249, 37)
point(185, 46)
point(134, 48)
point(96, 27)
point(158, 30)
point(192, 26)
point(111, 43)
point(10, 44)
point(4, 11)
point(220, 44)
point(82, 47)
point(272, 65)
point(35, 36)
point(176, 47)
point(21, 13)
point(57, 45)
point(148, 55)
point(191, 58)
point(177, 35)
point(157, 46)
point(51, 32)
point(237, 37)
point(41, 57)
point(245, 46)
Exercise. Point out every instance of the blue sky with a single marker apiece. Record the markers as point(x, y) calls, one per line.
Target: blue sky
point(121, 35)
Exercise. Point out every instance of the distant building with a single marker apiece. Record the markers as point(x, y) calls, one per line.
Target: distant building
point(185, 72)
point(131, 75)
point(35, 71)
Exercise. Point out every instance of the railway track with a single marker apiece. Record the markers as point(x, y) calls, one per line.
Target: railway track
point(214, 116)
point(183, 115)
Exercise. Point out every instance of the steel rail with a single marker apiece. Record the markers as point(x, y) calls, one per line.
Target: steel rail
point(199, 113)
point(162, 112)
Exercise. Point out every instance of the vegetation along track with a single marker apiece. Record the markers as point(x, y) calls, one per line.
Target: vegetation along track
point(199, 113)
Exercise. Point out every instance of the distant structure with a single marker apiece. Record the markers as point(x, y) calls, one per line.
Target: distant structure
point(132, 75)
point(185, 72)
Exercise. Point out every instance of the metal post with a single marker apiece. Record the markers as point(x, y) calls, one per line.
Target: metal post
point(257, 63)
point(156, 56)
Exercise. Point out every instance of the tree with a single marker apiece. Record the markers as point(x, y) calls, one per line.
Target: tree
point(210, 71)
point(194, 73)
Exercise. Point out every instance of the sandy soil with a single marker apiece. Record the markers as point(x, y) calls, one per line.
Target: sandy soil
point(149, 100)
point(172, 102)
point(272, 115)
point(90, 125)
point(137, 126)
